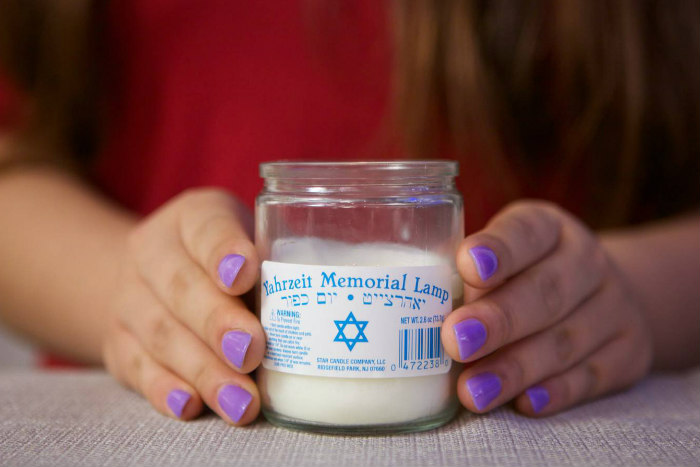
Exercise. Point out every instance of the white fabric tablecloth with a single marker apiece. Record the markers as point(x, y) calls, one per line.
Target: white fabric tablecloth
point(85, 418)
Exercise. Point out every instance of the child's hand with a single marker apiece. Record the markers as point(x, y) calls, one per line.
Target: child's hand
point(180, 333)
point(549, 320)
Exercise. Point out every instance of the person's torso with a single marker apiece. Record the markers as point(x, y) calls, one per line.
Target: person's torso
point(201, 92)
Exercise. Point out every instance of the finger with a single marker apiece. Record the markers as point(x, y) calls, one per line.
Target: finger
point(517, 237)
point(177, 348)
point(516, 367)
point(132, 366)
point(182, 286)
point(215, 238)
point(472, 294)
point(615, 366)
point(532, 300)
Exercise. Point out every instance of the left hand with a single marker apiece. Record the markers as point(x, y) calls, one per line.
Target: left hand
point(548, 319)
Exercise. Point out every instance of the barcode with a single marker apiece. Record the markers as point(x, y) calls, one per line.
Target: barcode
point(419, 344)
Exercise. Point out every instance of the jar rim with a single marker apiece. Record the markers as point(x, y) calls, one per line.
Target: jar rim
point(384, 169)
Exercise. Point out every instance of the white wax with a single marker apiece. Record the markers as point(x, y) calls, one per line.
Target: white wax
point(356, 401)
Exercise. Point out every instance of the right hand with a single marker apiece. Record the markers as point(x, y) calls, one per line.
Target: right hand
point(179, 332)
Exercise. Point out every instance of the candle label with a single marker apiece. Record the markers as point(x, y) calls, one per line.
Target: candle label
point(355, 321)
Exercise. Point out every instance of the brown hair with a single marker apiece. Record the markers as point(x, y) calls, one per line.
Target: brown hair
point(49, 49)
point(530, 84)
point(534, 82)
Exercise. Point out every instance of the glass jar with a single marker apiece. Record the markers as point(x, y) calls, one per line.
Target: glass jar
point(358, 274)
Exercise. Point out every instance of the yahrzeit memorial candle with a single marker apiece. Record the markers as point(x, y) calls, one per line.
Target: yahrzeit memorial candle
point(358, 274)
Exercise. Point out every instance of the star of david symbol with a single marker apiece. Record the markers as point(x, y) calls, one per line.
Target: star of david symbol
point(350, 321)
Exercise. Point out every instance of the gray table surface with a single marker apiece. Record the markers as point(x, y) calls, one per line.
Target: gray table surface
point(85, 418)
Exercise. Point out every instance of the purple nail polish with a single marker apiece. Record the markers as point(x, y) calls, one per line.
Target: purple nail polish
point(485, 260)
point(229, 268)
point(539, 397)
point(484, 388)
point(177, 400)
point(234, 401)
point(471, 335)
point(235, 344)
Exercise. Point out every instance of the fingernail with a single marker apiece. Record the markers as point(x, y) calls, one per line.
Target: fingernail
point(177, 400)
point(229, 267)
point(471, 335)
point(235, 344)
point(234, 401)
point(485, 260)
point(484, 388)
point(539, 397)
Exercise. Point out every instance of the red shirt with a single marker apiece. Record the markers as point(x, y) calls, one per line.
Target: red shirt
point(201, 92)
point(205, 91)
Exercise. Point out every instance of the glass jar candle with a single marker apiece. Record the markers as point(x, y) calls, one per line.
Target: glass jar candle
point(358, 274)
